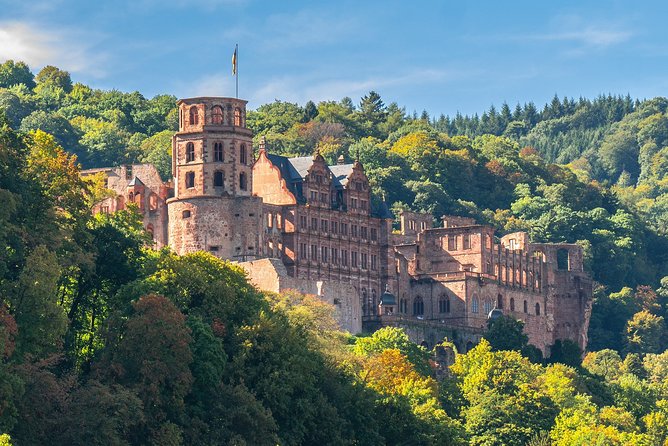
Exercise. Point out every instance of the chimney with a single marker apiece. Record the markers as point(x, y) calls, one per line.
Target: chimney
point(341, 160)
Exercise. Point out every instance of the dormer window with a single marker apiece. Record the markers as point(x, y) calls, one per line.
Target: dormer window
point(190, 152)
point(194, 115)
point(217, 115)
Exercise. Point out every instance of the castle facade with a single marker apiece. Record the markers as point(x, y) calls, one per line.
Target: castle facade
point(298, 223)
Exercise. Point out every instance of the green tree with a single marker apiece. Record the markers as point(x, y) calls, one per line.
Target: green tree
point(645, 333)
point(13, 73)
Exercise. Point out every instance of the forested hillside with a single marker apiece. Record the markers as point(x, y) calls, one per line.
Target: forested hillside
point(105, 341)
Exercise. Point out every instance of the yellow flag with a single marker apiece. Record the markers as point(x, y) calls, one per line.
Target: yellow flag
point(234, 62)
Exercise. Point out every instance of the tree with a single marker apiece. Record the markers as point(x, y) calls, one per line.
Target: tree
point(506, 333)
point(394, 338)
point(605, 363)
point(645, 333)
point(13, 73)
point(56, 77)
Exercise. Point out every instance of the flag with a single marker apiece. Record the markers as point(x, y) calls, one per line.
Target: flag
point(234, 61)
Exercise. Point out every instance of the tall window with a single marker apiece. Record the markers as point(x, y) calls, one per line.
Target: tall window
point(218, 154)
point(452, 242)
point(488, 306)
point(237, 117)
point(242, 181)
point(218, 179)
point(365, 303)
point(512, 304)
point(444, 305)
point(537, 309)
point(474, 304)
point(467, 241)
point(418, 306)
point(190, 180)
point(499, 302)
point(194, 115)
point(526, 307)
point(243, 159)
point(353, 259)
point(403, 306)
point(363, 260)
point(217, 115)
point(190, 152)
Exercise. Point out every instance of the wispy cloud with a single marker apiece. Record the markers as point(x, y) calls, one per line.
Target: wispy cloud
point(38, 46)
point(591, 36)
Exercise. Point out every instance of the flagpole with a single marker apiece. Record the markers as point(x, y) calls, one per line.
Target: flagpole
point(236, 51)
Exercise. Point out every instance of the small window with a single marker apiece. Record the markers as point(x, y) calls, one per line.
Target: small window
point(185, 214)
point(190, 152)
point(214, 248)
point(194, 115)
point(526, 307)
point(218, 154)
point(537, 309)
point(499, 302)
point(243, 159)
point(190, 180)
point(237, 117)
point(512, 304)
point(242, 181)
point(218, 179)
point(217, 115)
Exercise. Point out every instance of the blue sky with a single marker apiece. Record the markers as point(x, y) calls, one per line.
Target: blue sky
point(441, 56)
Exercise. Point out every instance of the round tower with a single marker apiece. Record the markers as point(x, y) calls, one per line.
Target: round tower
point(212, 208)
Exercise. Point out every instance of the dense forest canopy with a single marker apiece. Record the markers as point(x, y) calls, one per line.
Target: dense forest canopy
point(105, 341)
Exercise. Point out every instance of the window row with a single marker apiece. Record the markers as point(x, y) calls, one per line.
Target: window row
point(324, 197)
point(418, 306)
point(218, 180)
point(218, 153)
point(457, 242)
point(217, 116)
point(487, 305)
point(335, 256)
point(333, 227)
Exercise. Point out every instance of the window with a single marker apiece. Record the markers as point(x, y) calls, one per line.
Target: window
point(214, 248)
point(324, 254)
point(242, 181)
point(444, 305)
point(499, 302)
point(335, 227)
point(418, 306)
point(467, 241)
point(512, 304)
point(363, 260)
point(104, 209)
point(190, 152)
point(474, 304)
point(353, 230)
point(365, 303)
point(537, 309)
point(353, 259)
point(185, 214)
point(302, 221)
point(489, 241)
point(323, 225)
point(562, 260)
point(314, 252)
point(363, 232)
point(344, 228)
point(218, 152)
point(353, 203)
point(526, 307)
point(374, 234)
point(314, 196)
point(270, 220)
point(335, 256)
point(302, 251)
point(344, 257)
point(452, 243)
point(314, 224)
point(324, 196)
point(487, 306)
point(217, 115)
point(194, 115)
point(190, 180)
point(218, 179)
point(243, 157)
point(237, 116)
point(374, 262)
point(403, 306)
point(363, 204)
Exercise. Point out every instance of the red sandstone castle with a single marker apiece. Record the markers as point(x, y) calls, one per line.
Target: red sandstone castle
point(297, 223)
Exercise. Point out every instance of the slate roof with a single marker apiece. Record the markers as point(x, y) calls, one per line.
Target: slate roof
point(341, 173)
point(136, 182)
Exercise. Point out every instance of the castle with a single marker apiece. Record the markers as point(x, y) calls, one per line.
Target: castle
point(298, 223)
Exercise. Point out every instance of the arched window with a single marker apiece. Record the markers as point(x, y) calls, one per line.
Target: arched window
point(403, 306)
point(242, 181)
point(526, 307)
point(190, 152)
point(190, 180)
point(218, 152)
point(562, 259)
point(237, 116)
point(418, 306)
point(217, 115)
point(444, 304)
point(474, 304)
point(194, 115)
point(537, 309)
point(218, 179)
point(131, 197)
point(499, 302)
point(243, 159)
point(487, 306)
point(365, 303)
point(512, 304)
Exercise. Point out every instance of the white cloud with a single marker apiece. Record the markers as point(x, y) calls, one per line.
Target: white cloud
point(591, 36)
point(38, 47)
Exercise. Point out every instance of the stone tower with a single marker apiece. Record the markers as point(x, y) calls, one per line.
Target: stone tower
point(212, 208)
